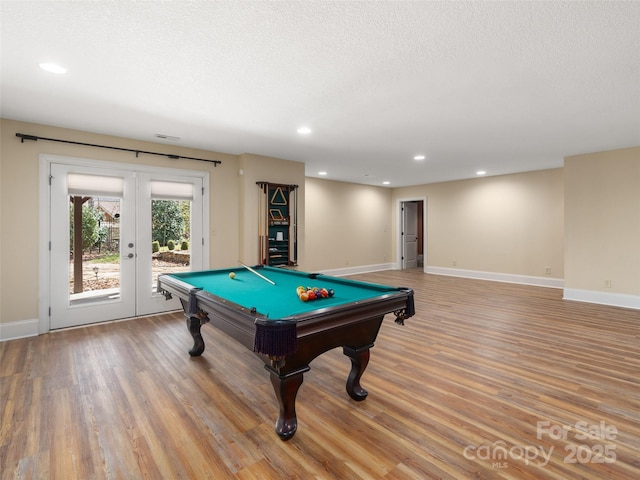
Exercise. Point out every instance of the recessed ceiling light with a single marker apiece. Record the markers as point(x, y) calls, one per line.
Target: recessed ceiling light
point(419, 157)
point(162, 136)
point(322, 173)
point(386, 182)
point(304, 130)
point(481, 172)
point(53, 68)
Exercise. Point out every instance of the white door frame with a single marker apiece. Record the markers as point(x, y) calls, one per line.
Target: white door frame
point(398, 229)
point(44, 217)
point(409, 226)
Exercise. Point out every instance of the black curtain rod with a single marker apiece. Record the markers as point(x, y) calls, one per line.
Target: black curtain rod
point(24, 137)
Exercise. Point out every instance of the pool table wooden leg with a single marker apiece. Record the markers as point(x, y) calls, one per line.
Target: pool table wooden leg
point(286, 388)
point(359, 361)
point(194, 324)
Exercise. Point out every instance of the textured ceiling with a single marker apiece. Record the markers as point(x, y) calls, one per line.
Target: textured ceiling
point(502, 86)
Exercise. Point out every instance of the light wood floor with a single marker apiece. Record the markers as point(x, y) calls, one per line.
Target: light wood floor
point(483, 369)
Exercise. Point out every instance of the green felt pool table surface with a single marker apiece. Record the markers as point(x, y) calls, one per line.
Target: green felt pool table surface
point(280, 300)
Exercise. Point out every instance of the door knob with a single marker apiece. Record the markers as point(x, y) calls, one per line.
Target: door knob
point(131, 245)
point(130, 255)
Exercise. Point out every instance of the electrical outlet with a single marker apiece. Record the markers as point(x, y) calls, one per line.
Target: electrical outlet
point(455, 263)
point(607, 284)
point(547, 271)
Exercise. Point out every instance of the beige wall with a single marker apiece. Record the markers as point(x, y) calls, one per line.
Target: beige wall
point(602, 221)
point(233, 216)
point(347, 225)
point(509, 224)
point(512, 224)
point(19, 202)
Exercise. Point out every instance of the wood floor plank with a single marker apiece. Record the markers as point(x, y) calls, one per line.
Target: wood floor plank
point(488, 380)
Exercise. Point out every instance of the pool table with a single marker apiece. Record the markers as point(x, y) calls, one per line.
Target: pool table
point(261, 309)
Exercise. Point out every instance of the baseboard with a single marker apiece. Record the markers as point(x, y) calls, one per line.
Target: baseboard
point(340, 272)
point(602, 298)
point(19, 329)
point(498, 277)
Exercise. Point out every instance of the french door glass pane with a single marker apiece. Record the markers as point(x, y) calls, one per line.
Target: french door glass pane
point(94, 246)
point(171, 236)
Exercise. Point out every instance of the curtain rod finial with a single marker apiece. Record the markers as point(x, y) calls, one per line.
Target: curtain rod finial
point(24, 137)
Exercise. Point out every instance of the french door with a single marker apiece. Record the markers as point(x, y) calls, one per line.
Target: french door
point(103, 221)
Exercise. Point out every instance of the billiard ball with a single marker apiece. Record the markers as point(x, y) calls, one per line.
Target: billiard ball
point(232, 275)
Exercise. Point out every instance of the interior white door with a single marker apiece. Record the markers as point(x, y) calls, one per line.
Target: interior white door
point(81, 292)
point(409, 235)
